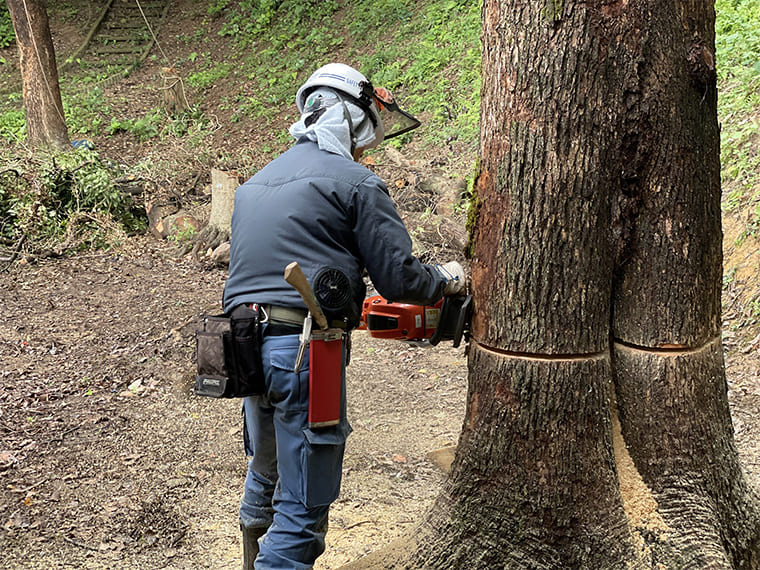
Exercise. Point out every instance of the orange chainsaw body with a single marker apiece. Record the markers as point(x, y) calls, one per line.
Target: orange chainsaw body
point(399, 321)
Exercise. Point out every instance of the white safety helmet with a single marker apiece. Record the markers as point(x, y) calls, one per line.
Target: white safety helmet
point(386, 117)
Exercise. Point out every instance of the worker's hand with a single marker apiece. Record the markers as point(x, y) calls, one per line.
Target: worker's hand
point(456, 280)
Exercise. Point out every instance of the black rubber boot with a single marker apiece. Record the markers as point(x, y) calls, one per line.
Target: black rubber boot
point(251, 538)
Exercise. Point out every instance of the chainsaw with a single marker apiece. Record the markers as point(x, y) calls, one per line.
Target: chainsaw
point(448, 319)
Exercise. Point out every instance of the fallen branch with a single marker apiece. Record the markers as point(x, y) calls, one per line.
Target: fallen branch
point(61, 437)
point(10, 171)
point(180, 535)
point(373, 522)
point(79, 544)
point(14, 254)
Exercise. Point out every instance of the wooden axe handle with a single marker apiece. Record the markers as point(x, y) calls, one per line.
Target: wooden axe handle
point(294, 275)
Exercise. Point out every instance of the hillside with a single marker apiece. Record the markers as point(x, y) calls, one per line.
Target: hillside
point(107, 460)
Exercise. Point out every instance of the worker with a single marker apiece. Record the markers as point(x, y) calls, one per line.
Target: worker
point(314, 204)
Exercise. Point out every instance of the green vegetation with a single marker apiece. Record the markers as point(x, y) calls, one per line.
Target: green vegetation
point(183, 235)
point(250, 18)
point(66, 201)
point(446, 47)
point(738, 64)
point(443, 44)
point(7, 37)
point(426, 51)
point(143, 128)
point(87, 112)
point(206, 78)
point(275, 44)
point(12, 124)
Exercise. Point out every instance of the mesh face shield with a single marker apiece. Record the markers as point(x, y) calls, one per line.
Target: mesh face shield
point(381, 108)
point(395, 121)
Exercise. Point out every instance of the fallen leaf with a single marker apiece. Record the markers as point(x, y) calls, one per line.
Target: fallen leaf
point(6, 460)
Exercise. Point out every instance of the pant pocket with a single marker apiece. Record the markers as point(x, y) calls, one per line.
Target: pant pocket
point(322, 463)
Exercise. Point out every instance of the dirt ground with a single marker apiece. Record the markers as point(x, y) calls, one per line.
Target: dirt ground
point(107, 459)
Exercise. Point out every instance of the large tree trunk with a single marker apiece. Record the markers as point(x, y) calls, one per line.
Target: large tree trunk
point(534, 483)
point(596, 258)
point(45, 123)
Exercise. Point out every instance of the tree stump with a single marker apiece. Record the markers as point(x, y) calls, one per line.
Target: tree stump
point(217, 231)
point(175, 100)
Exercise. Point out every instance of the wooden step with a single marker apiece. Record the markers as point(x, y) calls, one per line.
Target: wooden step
point(131, 25)
point(103, 50)
point(103, 39)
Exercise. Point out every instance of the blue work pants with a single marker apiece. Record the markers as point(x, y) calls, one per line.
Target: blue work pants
point(294, 472)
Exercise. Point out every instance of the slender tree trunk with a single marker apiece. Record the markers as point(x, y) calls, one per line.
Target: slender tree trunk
point(45, 123)
point(217, 231)
point(596, 265)
point(668, 359)
point(223, 186)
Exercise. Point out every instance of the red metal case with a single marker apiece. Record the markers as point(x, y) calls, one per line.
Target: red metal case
point(325, 372)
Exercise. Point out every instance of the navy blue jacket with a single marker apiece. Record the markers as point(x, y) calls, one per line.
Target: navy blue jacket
point(321, 209)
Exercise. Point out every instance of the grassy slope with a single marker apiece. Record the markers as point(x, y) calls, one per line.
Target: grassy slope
point(738, 54)
point(435, 70)
point(738, 64)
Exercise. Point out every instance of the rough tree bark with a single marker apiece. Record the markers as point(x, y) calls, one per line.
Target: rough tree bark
point(45, 123)
point(534, 483)
point(668, 359)
point(173, 92)
point(596, 273)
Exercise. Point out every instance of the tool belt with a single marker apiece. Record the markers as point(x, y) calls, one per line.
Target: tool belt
point(290, 316)
point(228, 348)
point(282, 321)
point(283, 315)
